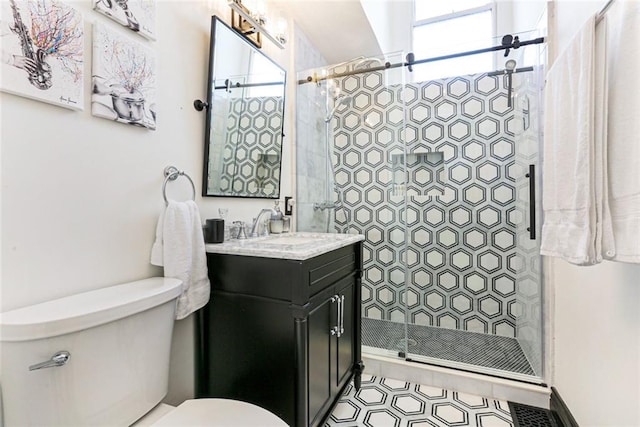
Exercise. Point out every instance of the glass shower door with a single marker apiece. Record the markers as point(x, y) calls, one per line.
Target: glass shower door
point(469, 165)
point(525, 217)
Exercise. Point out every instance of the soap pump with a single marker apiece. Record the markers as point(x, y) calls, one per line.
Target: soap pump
point(276, 222)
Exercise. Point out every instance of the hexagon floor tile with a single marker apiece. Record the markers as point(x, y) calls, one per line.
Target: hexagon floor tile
point(491, 351)
point(416, 405)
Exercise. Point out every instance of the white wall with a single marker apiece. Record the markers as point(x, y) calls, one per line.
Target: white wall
point(597, 342)
point(526, 14)
point(81, 195)
point(597, 321)
point(391, 22)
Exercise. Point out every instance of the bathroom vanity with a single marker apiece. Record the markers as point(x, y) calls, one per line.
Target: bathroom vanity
point(282, 327)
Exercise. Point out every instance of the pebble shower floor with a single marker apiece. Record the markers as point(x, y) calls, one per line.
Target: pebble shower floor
point(384, 402)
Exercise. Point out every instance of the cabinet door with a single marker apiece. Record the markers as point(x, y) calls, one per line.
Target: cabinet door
point(321, 357)
point(345, 344)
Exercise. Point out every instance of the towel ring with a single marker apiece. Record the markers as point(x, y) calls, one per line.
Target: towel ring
point(172, 173)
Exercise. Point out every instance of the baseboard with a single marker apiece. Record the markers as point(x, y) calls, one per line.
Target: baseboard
point(560, 410)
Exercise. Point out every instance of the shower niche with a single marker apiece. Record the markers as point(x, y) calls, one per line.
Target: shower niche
point(419, 174)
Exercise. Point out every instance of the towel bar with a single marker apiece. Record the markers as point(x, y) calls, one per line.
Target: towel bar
point(172, 173)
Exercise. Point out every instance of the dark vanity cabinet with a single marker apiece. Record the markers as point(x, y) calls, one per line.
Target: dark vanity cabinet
point(280, 333)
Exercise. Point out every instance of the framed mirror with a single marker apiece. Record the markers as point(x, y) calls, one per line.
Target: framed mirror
point(245, 117)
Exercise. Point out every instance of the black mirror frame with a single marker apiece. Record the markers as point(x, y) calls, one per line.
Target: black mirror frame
point(215, 21)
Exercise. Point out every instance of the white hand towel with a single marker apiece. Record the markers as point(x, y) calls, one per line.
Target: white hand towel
point(179, 247)
point(623, 70)
point(156, 250)
point(569, 190)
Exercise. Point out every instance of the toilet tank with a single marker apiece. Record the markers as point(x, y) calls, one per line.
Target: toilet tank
point(119, 340)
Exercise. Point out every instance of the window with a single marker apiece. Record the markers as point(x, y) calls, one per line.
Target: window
point(447, 27)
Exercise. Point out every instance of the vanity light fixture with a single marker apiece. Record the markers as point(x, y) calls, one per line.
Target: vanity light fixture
point(253, 25)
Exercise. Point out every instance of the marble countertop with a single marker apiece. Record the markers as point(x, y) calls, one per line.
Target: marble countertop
point(297, 246)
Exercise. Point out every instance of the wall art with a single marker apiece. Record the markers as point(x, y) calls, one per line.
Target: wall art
point(43, 52)
point(137, 15)
point(123, 79)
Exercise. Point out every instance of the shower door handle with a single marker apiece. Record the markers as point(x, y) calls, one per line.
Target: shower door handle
point(532, 202)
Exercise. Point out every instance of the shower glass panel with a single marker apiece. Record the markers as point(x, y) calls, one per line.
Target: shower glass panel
point(437, 175)
point(527, 131)
point(312, 157)
point(483, 302)
point(358, 122)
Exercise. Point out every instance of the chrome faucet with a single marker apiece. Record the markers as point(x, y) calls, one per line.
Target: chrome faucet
point(256, 224)
point(241, 233)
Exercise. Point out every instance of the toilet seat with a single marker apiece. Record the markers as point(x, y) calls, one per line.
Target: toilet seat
point(219, 413)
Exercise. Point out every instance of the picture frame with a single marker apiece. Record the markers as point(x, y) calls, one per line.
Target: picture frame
point(137, 15)
point(123, 79)
point(43, 52)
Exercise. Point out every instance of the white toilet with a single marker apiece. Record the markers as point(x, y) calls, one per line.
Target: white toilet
point(102, 358)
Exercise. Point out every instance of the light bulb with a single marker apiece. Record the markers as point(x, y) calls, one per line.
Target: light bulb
point(260, 8)
point(281, 24)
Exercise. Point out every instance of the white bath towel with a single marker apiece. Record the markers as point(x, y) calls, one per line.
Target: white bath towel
point(605, 244)
point(569, 165)
point(179, 248)
point(623, 130)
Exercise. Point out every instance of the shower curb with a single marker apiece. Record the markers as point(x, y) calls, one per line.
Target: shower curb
point(456, 380)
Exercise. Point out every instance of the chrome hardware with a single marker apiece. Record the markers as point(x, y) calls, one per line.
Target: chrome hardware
point(171, 173)
point(58, 359)
point(335, 298)
point(336, 329)
point(241, 232)
point(339, 299)
point(341, 321)
point(339, 331)
point(326, 205)
point(256, 224)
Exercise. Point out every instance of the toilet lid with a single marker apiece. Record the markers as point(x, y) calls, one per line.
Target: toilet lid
point(219, 413)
